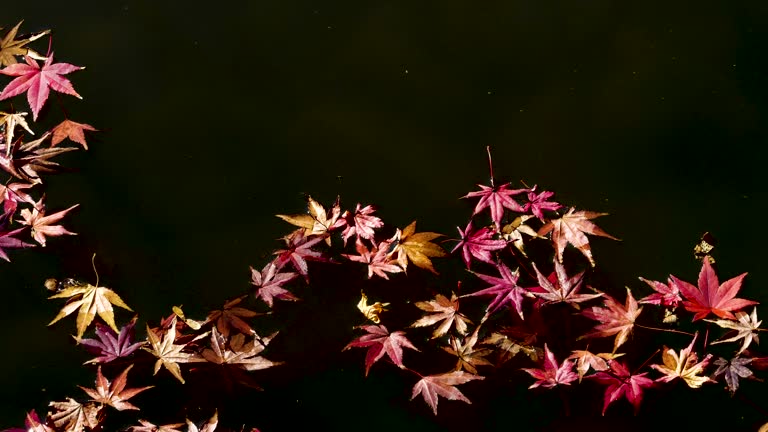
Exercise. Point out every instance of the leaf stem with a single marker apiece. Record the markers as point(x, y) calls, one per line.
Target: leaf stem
point(663, 330)
point(490, 163)
point(646, 361)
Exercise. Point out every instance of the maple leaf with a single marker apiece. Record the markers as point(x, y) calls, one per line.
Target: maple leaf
point(513, 343)
point(416, 247)
point(71, 130)
point(620, 383)
point(710, 296)
point(240, 356)
point(231, 317)
point(270, 283)
point(505, 289)
point(149, 427)
point(746, 327)
point(33, 424)
point(378, 260)
point(572, 228)
point(108, 347)
point(209, 426)
point(37, 81)
point(552, 374)
point(10, 47)
point(371, 311)
point(513, 232)
point(561, 288)
point(537, 203)
point(361, 223)
point(379, 342)
point(298, 251)
point(496, 199)
point(73, 416)
point(91, 300)
point(26, 161)
point(686, 366)
point(12, 194)
point(444, 310)
point(468, 356)
point(169, 354)
point(10, 121)
point(8, 241)
point(41, 224)
point(666, 294)
point(585, 360)
point(432, 386)
point(614, 318)
point(733, 370)
point(478, 244)
point(114, 394)
point(317, 221)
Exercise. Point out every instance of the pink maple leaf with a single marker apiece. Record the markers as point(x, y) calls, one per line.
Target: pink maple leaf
point(614, 318)
point(378, 260)
point(496, 198)
point(561, 288)
point(666, 294)
point(298, 250)
point(269, 282)
point(361, 223)
point(478, 244)
point(41, 224)
point(620, 383)
point(37, 81)
point(108, 347)
point(505, 289)
point(572, 228)
point(12, 194)
point(710, 296)
point(537, 203)
point(552, 374)
point(432, 386)
point(379, 342)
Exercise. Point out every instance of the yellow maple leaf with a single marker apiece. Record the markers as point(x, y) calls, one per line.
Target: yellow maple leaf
point(90, 300)
point(317, 221)
point(371, 311)
point(416, 247)
point(685, 366)
point(11, 47)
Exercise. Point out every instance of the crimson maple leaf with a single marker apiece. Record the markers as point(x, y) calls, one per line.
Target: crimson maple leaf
point(8, 241)
point(571, 228)
point(614, 318)
point(114, 394)
point(620, 383)
point(496, 198)
point(41, 224)
point(432, 386)
point(505, 289)
point(552, 374)
point(108, 347)
point(37, 81)
point(71, 130)
point(559, 287)
point(298, 251)
point(478, 244)
point(710, 296)
point(537, 203)
point(380, 341)
point(666, 294)
point(269, 283)
point(361, 223)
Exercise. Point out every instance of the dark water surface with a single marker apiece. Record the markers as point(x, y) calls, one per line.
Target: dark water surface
point(218, 115)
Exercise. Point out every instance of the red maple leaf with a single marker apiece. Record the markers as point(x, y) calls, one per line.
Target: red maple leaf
point(558, 287)
point(269, 283)
point(666, 294)
point(378, 260)
point(432, 386)
point(478, 244)
point(298, 251)
point(572, 228)
point(552, 374)
point(496, 198)
point(380, 341)
point(71, 130)
point(37, 81)
point(710, 296)
point(538, 202)
point(505, 289)
point(360, 223)
point(620, 383)
point(114, 394)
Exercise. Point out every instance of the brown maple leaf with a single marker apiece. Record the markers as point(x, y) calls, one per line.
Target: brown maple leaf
point(445, 310)
point(169, 354)
point(614, 318)
point(242, 354)
point(416, 247)
point(149, 427)
point(468, 357)
point(90, 300)
point(586, 360)
point(571, 228)
point(10, 47)
point(114, 394)
point(231, 317)
point(72, 416)
point(432, 386)
point(26, 161)
point(71, 130)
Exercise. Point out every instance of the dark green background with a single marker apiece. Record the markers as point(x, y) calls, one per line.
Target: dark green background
point(217, 115)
